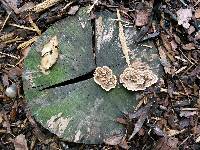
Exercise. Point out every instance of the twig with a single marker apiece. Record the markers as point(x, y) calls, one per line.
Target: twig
point(91, 7)
point(5, 21)
point(27, 43)
point(23, 27)
point(44, 5)
point(13, 40)
point(34, 26)
point(67, 5)
point(197, 3)
point(9, 55)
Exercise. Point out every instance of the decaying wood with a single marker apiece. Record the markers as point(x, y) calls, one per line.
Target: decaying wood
point(122, 39)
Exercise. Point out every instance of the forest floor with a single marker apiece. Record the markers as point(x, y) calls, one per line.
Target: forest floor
point(166, 117)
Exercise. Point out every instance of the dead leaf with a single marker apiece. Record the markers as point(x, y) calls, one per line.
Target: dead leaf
point(197, 13)
point(49, 55)
point(5, 79)
point(184, 16)
point(73, 10)
point(20, 143)
point(172, 132)
point(197, 36)
point(198, 139)
point(174, 46)
point(14, 72)
point(187, 114)
point(44, 5)
point(164, 61)
point(167, 143)
point(121, 120)
point(123, 144)
point(191, 30)
point(142, 113)
point(122, 39)
point(114, 140)
point(189, 46)
point(13, 5)
point(1, 118)
point(142, 18)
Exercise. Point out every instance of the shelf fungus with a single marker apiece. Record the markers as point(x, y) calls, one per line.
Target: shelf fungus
point(104, 77)
point(49, 55)
point(138, 76)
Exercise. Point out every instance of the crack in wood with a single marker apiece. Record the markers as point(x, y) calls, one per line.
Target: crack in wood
point(84, 77)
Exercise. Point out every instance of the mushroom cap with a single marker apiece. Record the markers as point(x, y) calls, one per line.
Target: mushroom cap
point(138, 76)
point(103, 76)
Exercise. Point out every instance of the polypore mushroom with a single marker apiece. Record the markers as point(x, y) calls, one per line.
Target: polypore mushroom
point(103, 76)
point(137, 76)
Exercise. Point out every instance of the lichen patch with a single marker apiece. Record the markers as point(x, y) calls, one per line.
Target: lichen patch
point(57, 124)
point(138, 76)
point(104, 77)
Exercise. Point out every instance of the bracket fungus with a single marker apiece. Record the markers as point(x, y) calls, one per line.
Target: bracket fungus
point(138, 76)
point(104, 77)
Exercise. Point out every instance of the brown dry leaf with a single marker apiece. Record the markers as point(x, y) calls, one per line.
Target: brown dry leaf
point(20, 143)
point(114, 140)
point(197, 36)
point(15, 72)
point(174, 46)
point(191, 30)
point(167, 143)
point(142, 114)
point(172, 132)
point(189, 46)
point(187, 114)
point(1, 117)
point(121, 120)
point(164, 61)
point(27, 43)
point(122, 39)
point(198, 139)
point(5, 80)
point(184, 16)
point(13, 5)
point(104, 77)
point(142, 18)
point(197, 13)
point(123, 144)
point(49, 55)
point(44, 5)
point(138, 76)
point(73, 10)
point(34, 26)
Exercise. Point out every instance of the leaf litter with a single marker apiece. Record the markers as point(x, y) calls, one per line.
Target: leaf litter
point(167, 104)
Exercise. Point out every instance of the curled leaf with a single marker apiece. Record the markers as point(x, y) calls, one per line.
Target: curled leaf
point(184, 16)
point(103, 76)
point(49, 55)
point(138, 76)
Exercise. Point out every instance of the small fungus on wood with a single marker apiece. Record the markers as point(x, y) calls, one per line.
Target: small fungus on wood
point(103, 76)
point(138, 76)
